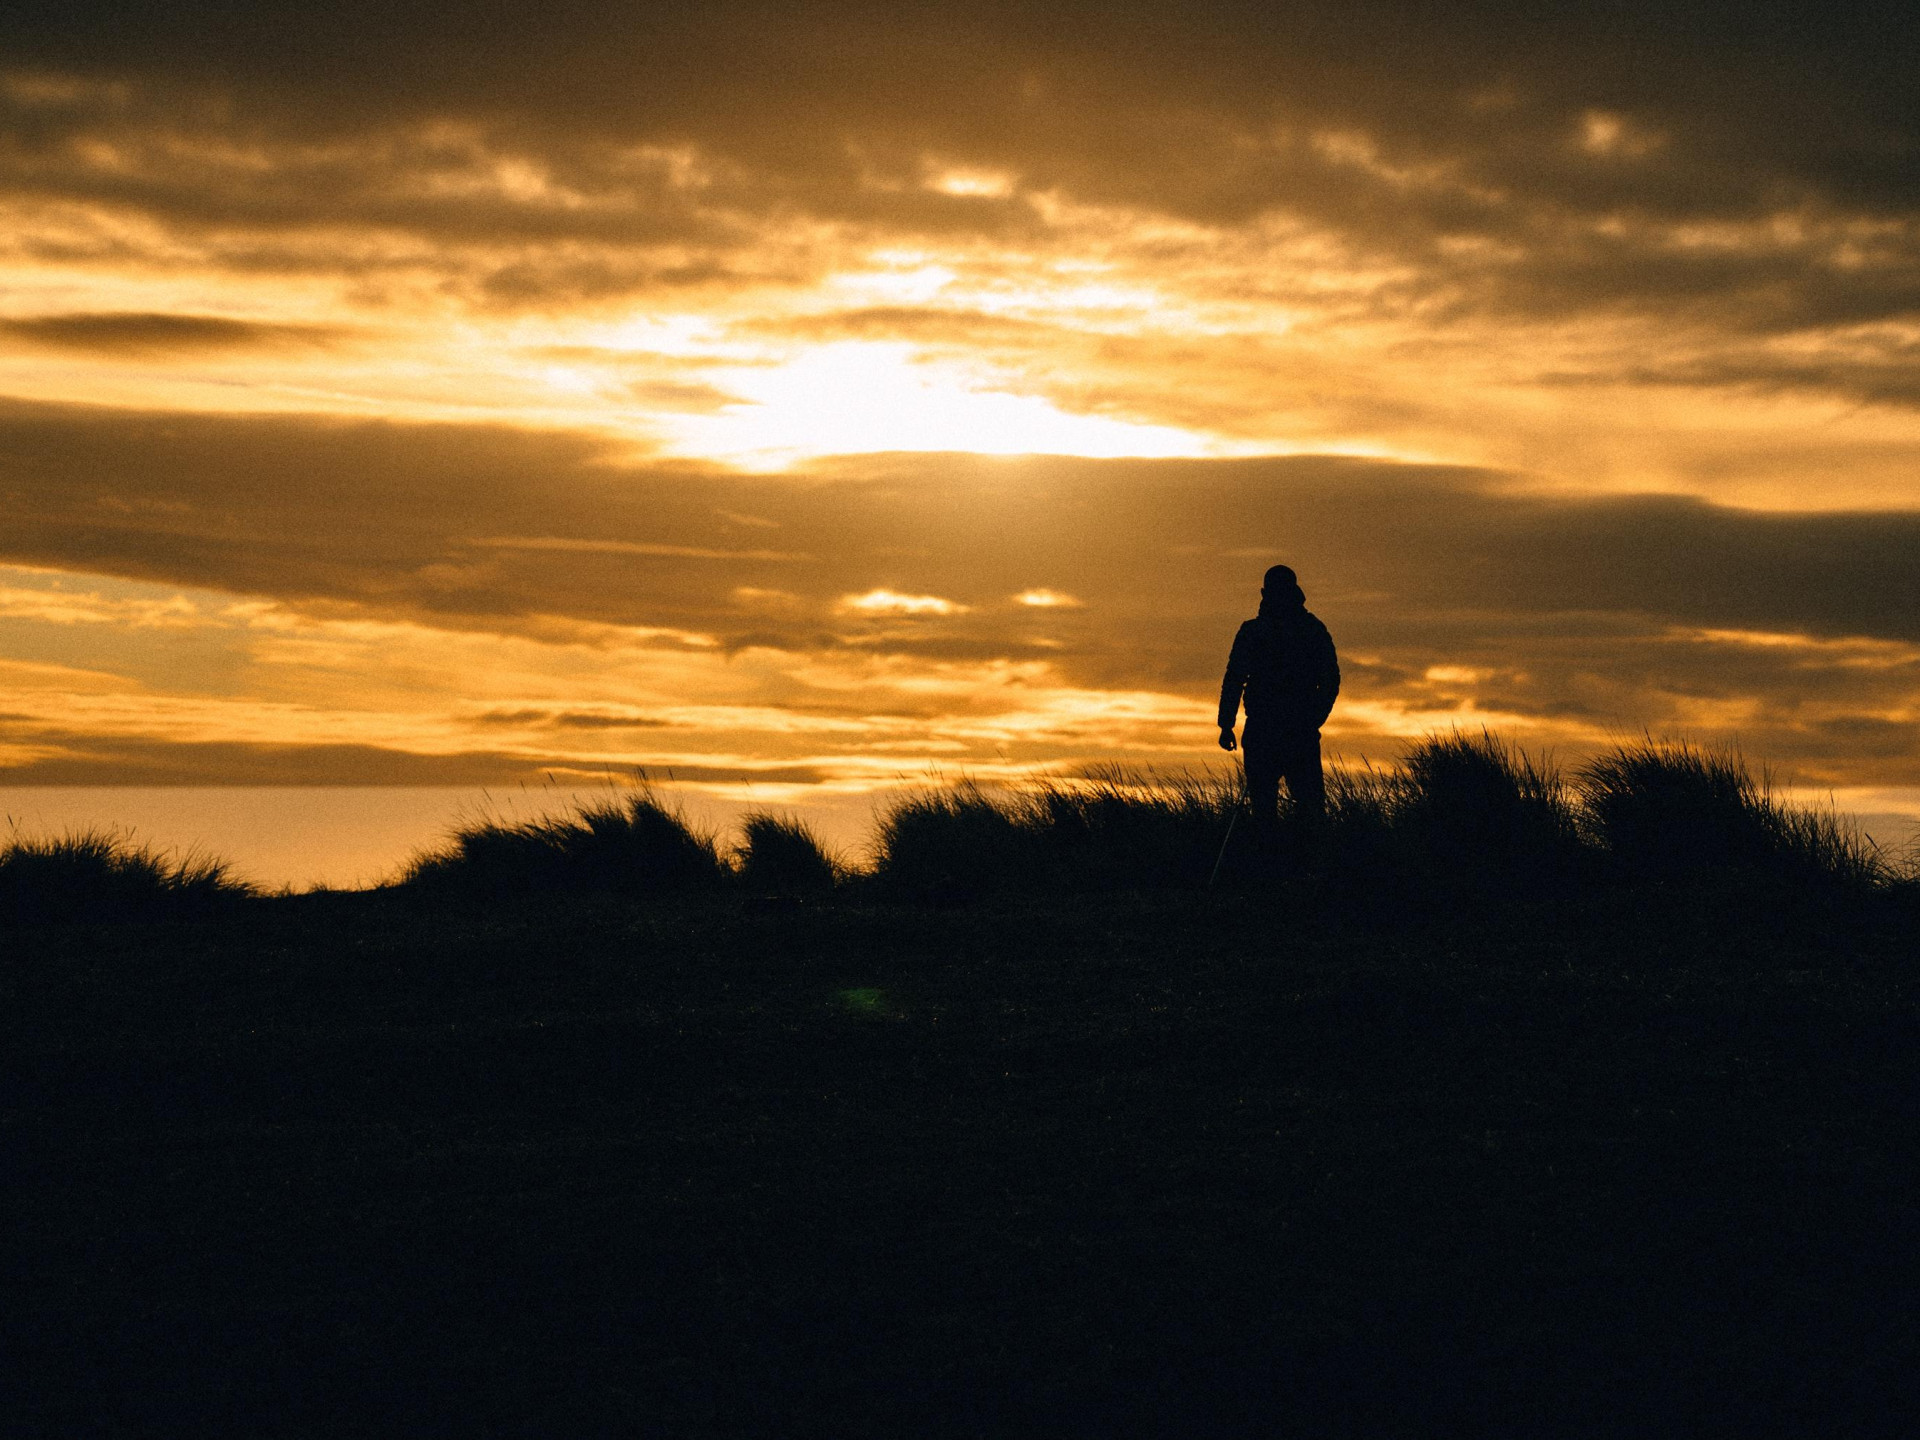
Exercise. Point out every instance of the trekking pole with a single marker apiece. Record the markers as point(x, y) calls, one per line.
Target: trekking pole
point(1226, 840)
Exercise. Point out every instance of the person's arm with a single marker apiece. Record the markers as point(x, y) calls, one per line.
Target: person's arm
point(1329, 687)
point(1232, 684)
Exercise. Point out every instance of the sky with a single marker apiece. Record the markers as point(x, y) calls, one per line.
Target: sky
point(794, 399)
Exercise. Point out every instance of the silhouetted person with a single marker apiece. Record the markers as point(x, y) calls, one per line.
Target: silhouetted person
point(1283, 662)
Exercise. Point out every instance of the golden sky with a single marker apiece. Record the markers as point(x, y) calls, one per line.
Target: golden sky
point(813, 395)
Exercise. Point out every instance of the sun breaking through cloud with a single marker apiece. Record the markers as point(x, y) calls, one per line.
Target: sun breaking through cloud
point(820, 395)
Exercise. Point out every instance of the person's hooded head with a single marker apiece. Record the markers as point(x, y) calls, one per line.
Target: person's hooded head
point(1281, 592)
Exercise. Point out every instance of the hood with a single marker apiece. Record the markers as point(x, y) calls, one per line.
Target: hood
point(1287, 602)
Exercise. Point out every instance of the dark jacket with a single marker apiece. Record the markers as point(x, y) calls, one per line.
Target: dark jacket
point(1284, 663)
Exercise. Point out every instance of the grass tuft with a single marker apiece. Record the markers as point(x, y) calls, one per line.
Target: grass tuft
point(1112, 830)
point(1672, 811)
point(629, 845)
point(781, 855)
point(1474, 808)
point(952, 843)
point(1104, 831)
point(105, 875)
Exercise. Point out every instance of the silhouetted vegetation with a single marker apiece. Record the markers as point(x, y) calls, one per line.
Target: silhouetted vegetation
point(1467, 817)
point(627, 844)
point(1109, 831)
point(1467, 814)
point(1469, 809)
point(1673, 813)
point(99, 875)
point(780, 855)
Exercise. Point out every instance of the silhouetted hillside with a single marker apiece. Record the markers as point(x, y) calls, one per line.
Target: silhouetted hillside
point(1510, 1105)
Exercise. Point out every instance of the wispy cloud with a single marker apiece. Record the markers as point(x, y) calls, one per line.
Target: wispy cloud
point(626, 547)
point(141, 335)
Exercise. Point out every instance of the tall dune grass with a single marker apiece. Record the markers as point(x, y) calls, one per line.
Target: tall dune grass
point(631, 845)
point(1472, 809)
point(1459, 808)
point(105, 875)
point(783, 856)
point(1110, 830)
point(1462, 813)
point(1670, 812)
point(953, 842)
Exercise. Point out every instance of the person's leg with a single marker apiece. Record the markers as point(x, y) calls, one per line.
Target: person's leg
point(1262, 764)
point(1306, 782)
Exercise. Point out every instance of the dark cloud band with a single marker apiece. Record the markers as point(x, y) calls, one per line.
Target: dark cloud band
point(1447, 587)
point(145, 333)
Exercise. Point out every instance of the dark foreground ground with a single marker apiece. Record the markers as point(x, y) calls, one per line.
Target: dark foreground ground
point(1644, 1163)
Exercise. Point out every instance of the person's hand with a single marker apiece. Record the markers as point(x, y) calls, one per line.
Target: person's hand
point(1226, 737)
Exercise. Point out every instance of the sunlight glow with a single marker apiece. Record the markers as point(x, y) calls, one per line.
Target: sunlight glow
point(891, 602)
point(988, 184)
point(854, 396)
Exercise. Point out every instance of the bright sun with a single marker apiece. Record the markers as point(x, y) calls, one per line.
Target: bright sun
point(854, 396)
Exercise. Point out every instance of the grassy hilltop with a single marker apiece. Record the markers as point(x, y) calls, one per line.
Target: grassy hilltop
point(1504, 1104)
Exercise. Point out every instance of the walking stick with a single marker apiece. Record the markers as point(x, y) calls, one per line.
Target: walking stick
point(1232, 820)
